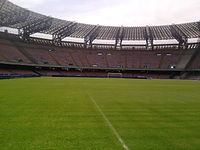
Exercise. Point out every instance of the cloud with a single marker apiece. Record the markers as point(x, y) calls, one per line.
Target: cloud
point(117, 12)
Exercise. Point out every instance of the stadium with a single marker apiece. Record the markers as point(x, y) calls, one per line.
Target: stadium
point(107, 88)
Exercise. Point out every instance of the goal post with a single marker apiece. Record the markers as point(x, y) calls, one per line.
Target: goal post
point(114, 75)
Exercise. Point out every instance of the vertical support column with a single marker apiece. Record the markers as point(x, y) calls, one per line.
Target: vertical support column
point(91, 36)
point(119, 38)
point(198, 25)
point(63, 32)
point(149, 38)
point(179, 36)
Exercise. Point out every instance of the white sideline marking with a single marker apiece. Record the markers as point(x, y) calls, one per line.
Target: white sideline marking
point(109, 124)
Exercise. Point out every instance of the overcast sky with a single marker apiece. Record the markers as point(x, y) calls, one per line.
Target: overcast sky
point(118, 12)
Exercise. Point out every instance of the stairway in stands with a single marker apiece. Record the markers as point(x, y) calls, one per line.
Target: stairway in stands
point(87, 60)
point(4, 57)
point(81, 60)
point(195, 55)
point(126, 61)
point(106, 59)
point(161, 62)
point(54, 58)
point(25, 53)
point(185, 58)
point(73, 59)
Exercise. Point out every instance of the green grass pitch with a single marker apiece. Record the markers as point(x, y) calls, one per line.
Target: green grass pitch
point(59, 114)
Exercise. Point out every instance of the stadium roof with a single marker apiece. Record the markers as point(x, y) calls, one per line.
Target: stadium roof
point(30, 22)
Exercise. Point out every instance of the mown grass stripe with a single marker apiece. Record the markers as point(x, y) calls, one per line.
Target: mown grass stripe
point(109, 124)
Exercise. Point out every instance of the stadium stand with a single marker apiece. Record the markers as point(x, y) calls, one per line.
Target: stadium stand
point(8, 52)
point(40, 56)
point(195, 64)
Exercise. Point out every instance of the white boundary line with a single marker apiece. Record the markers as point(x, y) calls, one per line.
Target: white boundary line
point(109, 124)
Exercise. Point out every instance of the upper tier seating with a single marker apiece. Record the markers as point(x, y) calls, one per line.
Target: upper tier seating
point(196, 62)
point(131, 59)
point(9, 52)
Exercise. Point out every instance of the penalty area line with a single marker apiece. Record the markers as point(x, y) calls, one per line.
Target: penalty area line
point(109, 124)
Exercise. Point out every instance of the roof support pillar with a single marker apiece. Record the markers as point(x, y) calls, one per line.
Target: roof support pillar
point(119, 38)
point(179, 36)
point(35, 27)
point(198, 24)
point(149, 38)
point(64, 32)
point(91, 36)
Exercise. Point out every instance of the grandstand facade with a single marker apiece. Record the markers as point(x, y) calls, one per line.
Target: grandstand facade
point(170, 51)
